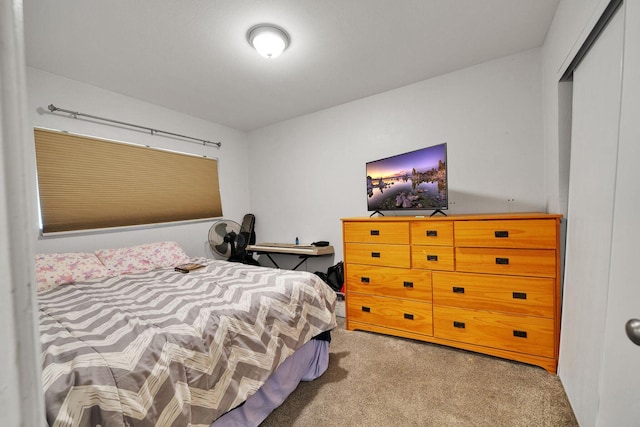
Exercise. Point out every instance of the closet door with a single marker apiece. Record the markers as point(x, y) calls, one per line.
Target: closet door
point(620, 387)
point(594, 152)
point(598, 362)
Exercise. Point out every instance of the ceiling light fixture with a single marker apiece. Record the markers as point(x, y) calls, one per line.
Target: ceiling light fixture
point(269, 40)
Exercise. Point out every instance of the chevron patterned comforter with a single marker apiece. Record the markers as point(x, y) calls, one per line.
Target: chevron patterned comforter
point(171, 349)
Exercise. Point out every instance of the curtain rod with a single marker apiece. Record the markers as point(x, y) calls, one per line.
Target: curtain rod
point(75, 115)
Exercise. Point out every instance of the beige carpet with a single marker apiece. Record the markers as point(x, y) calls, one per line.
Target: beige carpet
point(377, 380)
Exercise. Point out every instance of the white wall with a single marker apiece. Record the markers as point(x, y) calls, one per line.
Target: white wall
point(21, 397)
point(308, 172)
point(572, 22)
point(44, 88)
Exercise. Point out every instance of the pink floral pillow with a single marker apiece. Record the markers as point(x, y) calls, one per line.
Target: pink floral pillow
point(165, 254)
point(125, 260)
point(57, 269)
point(142, 258)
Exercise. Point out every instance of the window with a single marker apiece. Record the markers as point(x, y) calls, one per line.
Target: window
point(90, 183)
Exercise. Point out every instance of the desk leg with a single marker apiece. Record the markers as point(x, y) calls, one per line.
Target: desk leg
point(272, 260)
point(304, 258)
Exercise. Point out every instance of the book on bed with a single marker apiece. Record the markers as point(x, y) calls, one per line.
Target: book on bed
point(185, 268)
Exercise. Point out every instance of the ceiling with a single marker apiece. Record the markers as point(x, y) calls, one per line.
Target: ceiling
point(192, 56)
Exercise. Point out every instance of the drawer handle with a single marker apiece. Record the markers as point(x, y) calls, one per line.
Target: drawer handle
point(366, 309)
point(459, 325)
point(520, 295)
point(458, 290)
point(408, 316)
point(375, 232)
point(501, 234)
point(364, 279)
point(502, 261)
point(432, 257)
point(375, 254)
point(432, 233)
point(408, 284)
point(520, 334)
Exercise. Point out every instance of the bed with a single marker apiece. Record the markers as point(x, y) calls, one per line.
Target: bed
point(159, 347)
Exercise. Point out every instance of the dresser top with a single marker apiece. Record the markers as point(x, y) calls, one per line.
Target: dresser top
point(461, 217)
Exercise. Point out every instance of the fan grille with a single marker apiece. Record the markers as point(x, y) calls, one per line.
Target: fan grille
point(217, 233)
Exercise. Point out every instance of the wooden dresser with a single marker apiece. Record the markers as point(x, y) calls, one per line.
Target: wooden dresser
point(486, 283)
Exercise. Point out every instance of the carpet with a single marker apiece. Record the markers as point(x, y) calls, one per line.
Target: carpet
point(378, 380)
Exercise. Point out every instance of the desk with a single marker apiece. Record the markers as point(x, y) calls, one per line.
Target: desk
point(304, 251)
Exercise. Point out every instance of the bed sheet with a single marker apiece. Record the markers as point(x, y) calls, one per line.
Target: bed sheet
point(306, 364)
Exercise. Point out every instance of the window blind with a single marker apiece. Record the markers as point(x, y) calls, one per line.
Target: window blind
point(89, 183)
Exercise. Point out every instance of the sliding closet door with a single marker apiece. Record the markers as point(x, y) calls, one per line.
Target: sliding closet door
point(620, 385)
point(594, 150)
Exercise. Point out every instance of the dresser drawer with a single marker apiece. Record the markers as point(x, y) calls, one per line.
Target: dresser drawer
point(432, 257)
point(432, 233)
point(373, 254)
point(376, 232)
point(392, 313)
point(530, 335)
point(512, 294)
point(392, 282)
point(521, 262)
point(530, 233)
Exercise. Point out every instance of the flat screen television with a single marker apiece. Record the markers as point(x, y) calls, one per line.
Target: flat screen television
point(416, 180)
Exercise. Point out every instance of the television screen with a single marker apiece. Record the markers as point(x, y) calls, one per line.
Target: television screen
point(416, 180)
